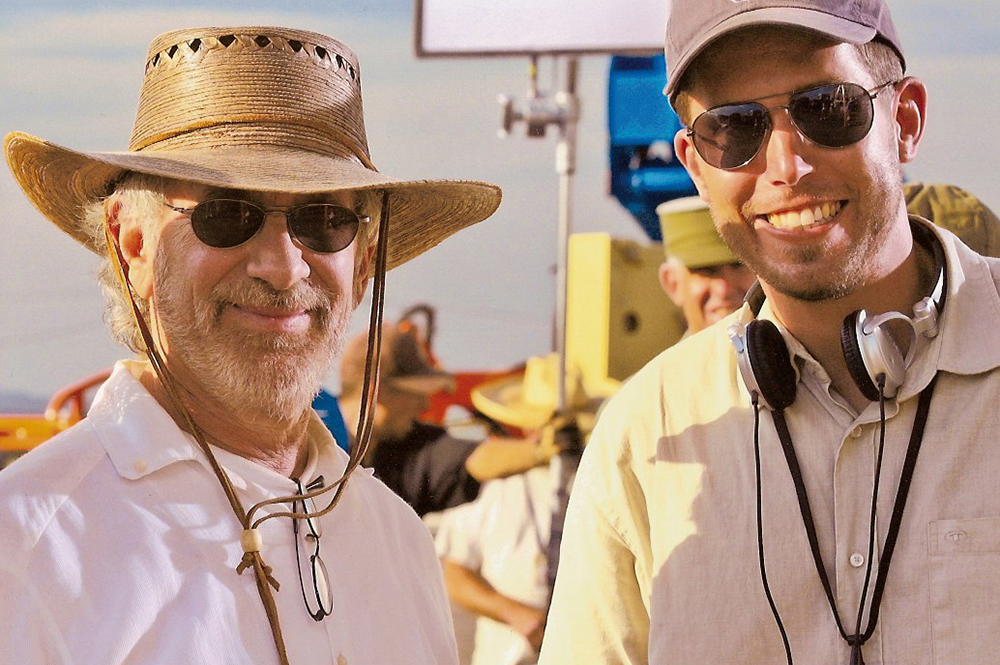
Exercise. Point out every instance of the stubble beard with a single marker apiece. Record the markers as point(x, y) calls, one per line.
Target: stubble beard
point(251, 373)
point(812, 281)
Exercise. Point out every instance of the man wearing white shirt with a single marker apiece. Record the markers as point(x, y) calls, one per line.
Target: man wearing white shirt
point(202, 513)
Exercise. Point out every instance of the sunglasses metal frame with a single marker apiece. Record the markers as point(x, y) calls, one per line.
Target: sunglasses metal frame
point(288, 211)
point(320, 578)
point(872, 94)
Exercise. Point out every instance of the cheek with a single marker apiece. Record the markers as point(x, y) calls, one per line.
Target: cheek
point(728, 191)
point(335, 271)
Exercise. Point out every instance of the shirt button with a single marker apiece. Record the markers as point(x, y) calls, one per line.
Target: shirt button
point(341, 660)
point(857, 560)
point(856, 432)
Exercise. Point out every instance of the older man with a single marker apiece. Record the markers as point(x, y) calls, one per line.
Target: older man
point(239, 230)
point(745, 493)
point(701, 275)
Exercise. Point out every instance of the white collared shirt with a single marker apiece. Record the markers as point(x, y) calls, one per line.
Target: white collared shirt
point(117, 545)
point(503, 535)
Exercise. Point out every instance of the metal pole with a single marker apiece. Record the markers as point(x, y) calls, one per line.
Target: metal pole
point(568, 102)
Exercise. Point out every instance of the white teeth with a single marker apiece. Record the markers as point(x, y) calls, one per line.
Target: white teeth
point(793, 219)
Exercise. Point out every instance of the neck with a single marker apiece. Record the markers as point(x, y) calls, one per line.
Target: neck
point(279, 445)
point(817, 324)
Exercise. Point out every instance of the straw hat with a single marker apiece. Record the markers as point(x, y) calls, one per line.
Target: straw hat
point(252, 108)
point(528, 401)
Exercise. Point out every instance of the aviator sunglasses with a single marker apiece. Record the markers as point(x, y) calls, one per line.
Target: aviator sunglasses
point(321, 227)
point(834, 115)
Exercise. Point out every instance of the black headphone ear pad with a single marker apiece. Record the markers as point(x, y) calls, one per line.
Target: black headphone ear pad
point(771, 363)
point(851, 346)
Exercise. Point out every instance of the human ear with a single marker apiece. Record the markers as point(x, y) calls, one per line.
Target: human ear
point(686, 153)
point(136, 251)
point(911, 113)
point(670, 281)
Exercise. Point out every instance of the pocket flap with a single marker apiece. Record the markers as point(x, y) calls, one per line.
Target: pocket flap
point(968, 536)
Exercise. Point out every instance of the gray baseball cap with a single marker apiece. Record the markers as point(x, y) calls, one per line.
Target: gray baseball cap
point(694, 24)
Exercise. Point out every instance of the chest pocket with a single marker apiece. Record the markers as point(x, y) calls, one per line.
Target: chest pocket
point(965, 590)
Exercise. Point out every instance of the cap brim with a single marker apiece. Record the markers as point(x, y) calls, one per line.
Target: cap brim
point(60, 182)
point(801, 18)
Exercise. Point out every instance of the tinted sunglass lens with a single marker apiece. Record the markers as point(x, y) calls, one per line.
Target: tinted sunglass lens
point(226, 222)
point(323, 227)
point(728, 137)
point(835, 115)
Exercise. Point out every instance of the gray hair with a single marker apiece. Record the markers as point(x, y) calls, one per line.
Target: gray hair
point(140, 198)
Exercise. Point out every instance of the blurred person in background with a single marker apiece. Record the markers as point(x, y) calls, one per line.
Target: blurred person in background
point(421, 462)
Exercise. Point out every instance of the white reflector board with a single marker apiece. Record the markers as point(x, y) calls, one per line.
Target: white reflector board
point(519, 27)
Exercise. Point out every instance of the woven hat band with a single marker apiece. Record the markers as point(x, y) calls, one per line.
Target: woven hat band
point(257, 131)
point(200, 83)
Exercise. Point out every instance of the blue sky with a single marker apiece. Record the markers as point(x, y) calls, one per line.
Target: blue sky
point(71, 74)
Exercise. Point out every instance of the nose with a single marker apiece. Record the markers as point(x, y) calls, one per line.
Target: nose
point(274, 256)
point(785, 162)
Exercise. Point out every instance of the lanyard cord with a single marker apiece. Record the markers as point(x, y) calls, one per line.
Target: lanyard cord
point(857, 639)
point(760, 530)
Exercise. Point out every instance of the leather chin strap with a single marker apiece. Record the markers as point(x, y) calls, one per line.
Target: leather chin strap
point(251, 539)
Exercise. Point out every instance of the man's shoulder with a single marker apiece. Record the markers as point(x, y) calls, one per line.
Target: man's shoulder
point(39, 484)
point(690, 370)
point(380, 507)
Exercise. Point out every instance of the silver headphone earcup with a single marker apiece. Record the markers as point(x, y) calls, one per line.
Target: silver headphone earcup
point(870, 354)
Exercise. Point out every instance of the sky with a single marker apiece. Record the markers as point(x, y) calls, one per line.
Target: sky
point(70, 73)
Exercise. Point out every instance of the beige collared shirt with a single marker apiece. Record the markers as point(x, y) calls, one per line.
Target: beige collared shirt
point(659, 559)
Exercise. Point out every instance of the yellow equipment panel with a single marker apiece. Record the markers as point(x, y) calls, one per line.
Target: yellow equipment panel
point(617, 315)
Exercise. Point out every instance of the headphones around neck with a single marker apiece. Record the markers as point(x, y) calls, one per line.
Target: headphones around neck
point(871, 353)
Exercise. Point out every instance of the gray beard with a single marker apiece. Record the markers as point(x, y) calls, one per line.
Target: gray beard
point(275, 375)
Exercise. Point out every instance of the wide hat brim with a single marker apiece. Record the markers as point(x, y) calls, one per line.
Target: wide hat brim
point(528, 400)
point(61, 182)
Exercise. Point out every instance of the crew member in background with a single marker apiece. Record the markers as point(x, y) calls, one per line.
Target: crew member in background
point(495, 550)
point(701, 275)
point(421, 462)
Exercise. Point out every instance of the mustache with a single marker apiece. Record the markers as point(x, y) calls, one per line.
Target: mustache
point(258, 293)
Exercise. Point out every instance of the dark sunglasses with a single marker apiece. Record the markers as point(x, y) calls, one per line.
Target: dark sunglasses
point(321, 227)
point(833, 115)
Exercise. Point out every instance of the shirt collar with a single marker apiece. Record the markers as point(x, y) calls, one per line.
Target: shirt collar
point(141, 438)
point(969, 321)
point(971, 314)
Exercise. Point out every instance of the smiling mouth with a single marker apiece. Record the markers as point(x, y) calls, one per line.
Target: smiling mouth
point(804, 218)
